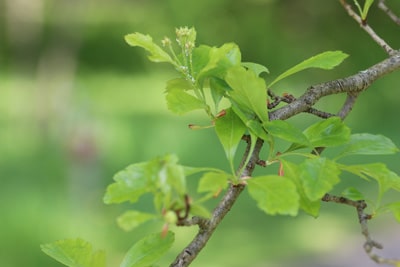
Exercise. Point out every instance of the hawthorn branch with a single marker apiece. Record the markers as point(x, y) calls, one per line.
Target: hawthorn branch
point(352, 85)
point(367, 28)
point(382, 5)
point(207, 226)
point(363, 218)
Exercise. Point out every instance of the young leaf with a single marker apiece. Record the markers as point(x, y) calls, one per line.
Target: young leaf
point(181, 102)
point(325, 60)
point(199, 210)
point(218, 89)
point(353, 194)
point(249, 91)
point(157, 54)
point(213, 182)
point(132, 219)
point(75, 253)
point(256, 68)
point(369, 144)
point(251, 123)
point(178, 84)
point(327, 133)
point(274, 194)
point(230, 130)
point(318, 176)
point(285, 131)
point(148, 250)
point(378, 171)
point(129, 185)
point(392, 207)
point(292, 171)
point(220, 60)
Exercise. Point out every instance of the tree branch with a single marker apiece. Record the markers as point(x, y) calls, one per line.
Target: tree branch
point(382, 5)
point(353, 85)
point(367, 28)
point(363, 220)
point(207, 227)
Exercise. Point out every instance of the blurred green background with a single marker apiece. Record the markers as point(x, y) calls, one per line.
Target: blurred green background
point(77, 104)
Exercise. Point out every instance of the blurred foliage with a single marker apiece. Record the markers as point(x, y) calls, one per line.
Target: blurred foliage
point(78, 104)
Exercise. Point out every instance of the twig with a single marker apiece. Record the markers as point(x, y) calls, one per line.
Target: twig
point(367, 28)
point(207, 227)
point(363, 218)
point(382, 5)
point(353, 85)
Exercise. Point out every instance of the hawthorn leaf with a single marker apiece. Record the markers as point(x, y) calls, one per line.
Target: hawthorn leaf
point(132, 219)
point(148, 250)
point(328, 133)
point(200, 59)
point(369, 144)
point(75, 253)
point(213, 182)
point(274, 194)
point(199, 210)
point(379, 172)
point(130, 184)
point(218, 88)
point(285, 131)
point(248, 91)
point(394, 208)
point(255, 67)
point(353, 194)
point(326, 60)
point(220, 60)
point(181, 102)
point(157, 54)
point(251, 123)
point(179, 84)
point(230, 130)
point(291, 171)
point(318, 176)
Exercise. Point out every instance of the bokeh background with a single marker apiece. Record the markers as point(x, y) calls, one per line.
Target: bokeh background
point(77, 104)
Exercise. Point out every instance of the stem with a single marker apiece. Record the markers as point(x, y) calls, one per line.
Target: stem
point(207, 227)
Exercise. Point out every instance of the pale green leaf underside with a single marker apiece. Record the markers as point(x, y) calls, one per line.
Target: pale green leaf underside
point(180, 102)
point(148, 250)
point(75, 253)
point(132, 219)
point(325, 60)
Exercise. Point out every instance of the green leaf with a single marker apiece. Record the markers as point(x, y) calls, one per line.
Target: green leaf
point(392, 207)
point(353, 194)
point(369, 144)
point(213, 182)
point(75, 253)
point(274, 194)
point(292, 171)
point(327, 133)
point(218, 89)
point(251, 123)
point(199, 210)
point(230, 130)
point(378, 171)
point(181, 102)
point(285, 131)
point(364, 11)
point(325, 60)
point(157, 54)
point(179, 84)
point(130, 184)
point(148, 250)
point(318, 176)
point(220, 60)
point(132, 219)
point(256, 68)
point(249, 91)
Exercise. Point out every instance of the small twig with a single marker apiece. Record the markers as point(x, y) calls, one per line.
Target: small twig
point(363, 218)
point(367, 28)
point(319, 113)
point(348, 105)
point(382, 5)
